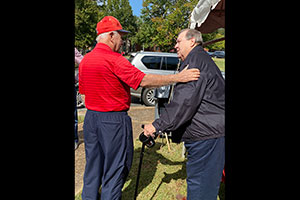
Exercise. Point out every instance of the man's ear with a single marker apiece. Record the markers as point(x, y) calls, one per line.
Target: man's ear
point(111, 35)
point(193, 42)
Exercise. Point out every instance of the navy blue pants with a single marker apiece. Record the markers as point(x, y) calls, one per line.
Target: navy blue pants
point(109, 153)
point(206, 159)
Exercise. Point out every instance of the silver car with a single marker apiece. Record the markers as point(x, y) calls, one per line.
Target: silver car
point(152, 63)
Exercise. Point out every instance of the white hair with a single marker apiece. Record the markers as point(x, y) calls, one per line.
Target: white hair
point(193, 33)
point(103, 35)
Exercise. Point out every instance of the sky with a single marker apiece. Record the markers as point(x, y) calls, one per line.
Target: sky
point(136, 5)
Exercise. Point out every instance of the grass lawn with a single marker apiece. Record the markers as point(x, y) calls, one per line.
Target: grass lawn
point(220, 62)
point(80, 118)
point(163, 174)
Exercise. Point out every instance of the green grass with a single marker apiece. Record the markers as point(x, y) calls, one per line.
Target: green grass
point(220, 62)
point(163, 174)
point(80, 118)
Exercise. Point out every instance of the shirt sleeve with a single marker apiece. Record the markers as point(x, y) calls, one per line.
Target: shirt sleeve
point(128, 73)
point(186, 100)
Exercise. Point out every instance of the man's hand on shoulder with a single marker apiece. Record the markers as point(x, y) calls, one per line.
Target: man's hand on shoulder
point(187, 75)
point(155, 80)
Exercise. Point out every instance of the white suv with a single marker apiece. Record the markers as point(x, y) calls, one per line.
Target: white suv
point(152, 63)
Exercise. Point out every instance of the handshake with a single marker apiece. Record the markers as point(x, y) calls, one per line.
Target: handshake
point(148, 140)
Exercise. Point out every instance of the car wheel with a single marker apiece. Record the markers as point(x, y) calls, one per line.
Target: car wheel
point(148, 97)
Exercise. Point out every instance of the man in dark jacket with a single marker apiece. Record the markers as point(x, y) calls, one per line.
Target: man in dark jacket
point(195, 116)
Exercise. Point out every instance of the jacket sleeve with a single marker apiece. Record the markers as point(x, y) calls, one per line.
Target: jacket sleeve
point(186, 100)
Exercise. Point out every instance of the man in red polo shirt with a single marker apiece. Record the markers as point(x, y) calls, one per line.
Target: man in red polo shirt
point(105, 78)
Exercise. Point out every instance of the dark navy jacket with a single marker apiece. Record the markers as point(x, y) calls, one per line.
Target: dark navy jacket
point(197, 110)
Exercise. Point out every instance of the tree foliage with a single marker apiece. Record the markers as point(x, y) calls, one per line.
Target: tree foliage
point(215, 35)
point(122, 10)
point(156, 28)
point(89, 12)
point(161, 21)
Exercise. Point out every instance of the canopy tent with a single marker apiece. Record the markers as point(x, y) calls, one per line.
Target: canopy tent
point(208, 16)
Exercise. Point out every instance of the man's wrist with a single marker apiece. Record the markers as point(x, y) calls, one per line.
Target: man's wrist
point(176, 78)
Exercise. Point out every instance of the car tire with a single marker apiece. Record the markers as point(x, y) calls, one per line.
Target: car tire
point(148, 97)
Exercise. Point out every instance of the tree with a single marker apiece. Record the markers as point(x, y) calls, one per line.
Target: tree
point(87, 14)
point(176, 19)
point(215, 35)
point(161, 22)
point(122, 10)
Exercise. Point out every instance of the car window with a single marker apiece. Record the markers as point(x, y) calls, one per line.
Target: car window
point(171, 63)
point(152, 62)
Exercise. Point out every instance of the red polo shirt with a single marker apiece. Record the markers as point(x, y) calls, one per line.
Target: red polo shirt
point(105, 78)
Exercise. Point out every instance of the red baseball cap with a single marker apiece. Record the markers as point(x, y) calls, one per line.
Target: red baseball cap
point(109, 23)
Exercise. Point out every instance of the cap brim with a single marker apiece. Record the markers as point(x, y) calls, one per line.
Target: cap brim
point(123, 31)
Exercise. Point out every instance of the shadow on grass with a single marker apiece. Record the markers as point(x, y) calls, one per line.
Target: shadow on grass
point(150, 161)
